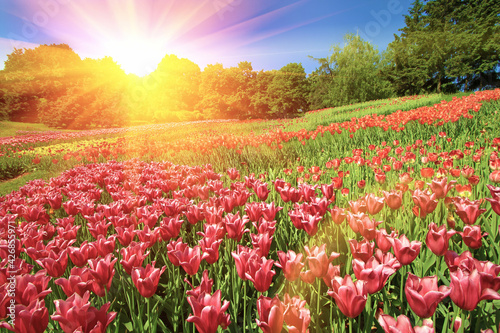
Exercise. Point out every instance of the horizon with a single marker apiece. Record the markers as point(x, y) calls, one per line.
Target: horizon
point(269, 36)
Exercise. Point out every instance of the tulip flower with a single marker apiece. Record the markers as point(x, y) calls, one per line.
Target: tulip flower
point(194, 214)
point(254, 211)
point(425, 203)
point(402, 324)
point(103, 272)
point(30, 287)
point(387, 259)
point(393, 199)
point(467, 210)
point(441, 187)
point(269, 211)
point(467, 290)
point(55, 264)
point(373, 272)
point(374, 204)
point(33, 318)
point(133, 256)
point(472, 236)
point(405, 251)
point(172, 248)
point(169, 228)
point(262, 243)
point(338, 215)
point(210, 243)
point(105, 245)
point(241, 258)
point(297, 316)
point(437, 239)
point(261, 190)
point(146, 279)
point(235, 226)
point(188, 258)
point(208, 314)
point(205, 286)
point(291, 264)
point(77, 313)
point(382, 239)
point(260, 273)
point(350, 297)
point(318, 260)
point(361, 250)
point(124, 235)
point(423, 294)
point(271, 314)
point(80, 281)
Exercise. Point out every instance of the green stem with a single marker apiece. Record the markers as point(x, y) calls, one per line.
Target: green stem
point(244, 306)
point(317, 307)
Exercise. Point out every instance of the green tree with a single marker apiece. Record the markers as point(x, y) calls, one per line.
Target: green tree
point(350, 74)
point(288, 91)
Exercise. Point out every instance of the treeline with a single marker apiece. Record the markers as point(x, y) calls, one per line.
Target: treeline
point(445, 46)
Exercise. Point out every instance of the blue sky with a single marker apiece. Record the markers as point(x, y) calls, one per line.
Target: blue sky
point(137, 34)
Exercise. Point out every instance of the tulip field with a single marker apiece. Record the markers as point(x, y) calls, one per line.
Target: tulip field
point(382, 216)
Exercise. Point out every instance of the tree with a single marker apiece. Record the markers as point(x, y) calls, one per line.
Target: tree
point(446, 45)
point(288, 91)
point(350, 74)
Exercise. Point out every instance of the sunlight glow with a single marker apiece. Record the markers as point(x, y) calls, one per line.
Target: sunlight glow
point(137, 55)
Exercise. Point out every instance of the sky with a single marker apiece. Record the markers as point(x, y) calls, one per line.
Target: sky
point(137, 34)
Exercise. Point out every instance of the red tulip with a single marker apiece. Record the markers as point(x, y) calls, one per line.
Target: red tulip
point(262, 243)
point(259, 271)
point(495, 175)
point(467, 210)
point(76, 313)
point(472, 236)
point(235, 225)
point(423, 294)
point(254, 211)
point(261, 190)
point(373, 272)
point(271, 314)
point(210, 242)
point(133, 256)
point(393, 199)
point(204, 287)
point(441, 187)
point(208, 314)
point(437, 239)
point(125, 235)
point(374, 204)
point(291, 264)
point(146, 279)
point(402, 324)
point(169, 228)
point(387, 259)
point(467, 290)
point(425, 202)
point(382, 239)
point(103, 272)
point(350, 297)
point(405, 251)
point(269, 211)
point(80, 281)
point(318, 260)
point(241, 258)
point(297, 317)
point(362, 250)
point(427, 172)
point(338, 215)
point(33, 318)
point(55, 264)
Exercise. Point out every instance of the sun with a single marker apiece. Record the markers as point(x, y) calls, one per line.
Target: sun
point(137, 55)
